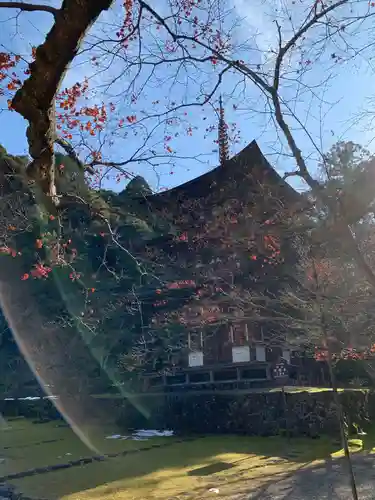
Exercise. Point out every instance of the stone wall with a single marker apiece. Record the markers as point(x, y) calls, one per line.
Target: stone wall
point(41, 409)
point(257, 413)
point(262, 414)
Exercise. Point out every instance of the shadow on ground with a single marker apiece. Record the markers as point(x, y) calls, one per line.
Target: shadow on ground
point(187, 468)
point(326, 481)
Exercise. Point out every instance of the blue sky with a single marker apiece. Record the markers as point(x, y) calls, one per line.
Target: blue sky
point(327, 100)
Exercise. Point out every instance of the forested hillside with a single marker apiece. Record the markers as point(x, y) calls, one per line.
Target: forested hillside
point(123, 279)
point(83, 265)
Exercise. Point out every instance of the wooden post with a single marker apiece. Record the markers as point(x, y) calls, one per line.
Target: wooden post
point(286, 413)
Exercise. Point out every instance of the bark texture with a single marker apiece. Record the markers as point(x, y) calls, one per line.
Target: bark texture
point(35, 100)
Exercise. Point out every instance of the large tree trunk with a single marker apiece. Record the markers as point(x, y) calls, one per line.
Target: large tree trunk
point(35, 100)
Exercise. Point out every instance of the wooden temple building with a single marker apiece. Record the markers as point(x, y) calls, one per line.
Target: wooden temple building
point(227, 254)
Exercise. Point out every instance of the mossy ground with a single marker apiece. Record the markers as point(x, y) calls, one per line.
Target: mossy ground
point(232, 464)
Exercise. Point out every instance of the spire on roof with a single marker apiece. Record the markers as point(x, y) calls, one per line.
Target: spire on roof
point(222, 136)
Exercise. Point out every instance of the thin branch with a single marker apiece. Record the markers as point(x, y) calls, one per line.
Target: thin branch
point(27, 7)
point(68, 148)
point(232, 64)
point(296, 173)
point(297, 36)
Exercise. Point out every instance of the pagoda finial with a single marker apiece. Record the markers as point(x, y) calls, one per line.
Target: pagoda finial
point(222, 135)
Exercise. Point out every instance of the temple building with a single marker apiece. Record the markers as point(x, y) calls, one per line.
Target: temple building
point(226, 247)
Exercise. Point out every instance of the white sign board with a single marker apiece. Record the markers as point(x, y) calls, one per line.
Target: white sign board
point(241, 354)
point(260, 353)
point(286, 356)
point(196, 358)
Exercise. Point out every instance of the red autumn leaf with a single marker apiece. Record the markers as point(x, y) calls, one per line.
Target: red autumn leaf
point(25, 277)
point(40, 271)
point(74, 276)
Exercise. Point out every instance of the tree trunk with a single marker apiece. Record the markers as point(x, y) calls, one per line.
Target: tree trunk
point(340, 415)
point(35, 100)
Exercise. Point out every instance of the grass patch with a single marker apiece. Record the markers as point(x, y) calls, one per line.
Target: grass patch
point(311, 390)
point(183, 470)
point(27, 445)
point(233, 464)
point(261, 390)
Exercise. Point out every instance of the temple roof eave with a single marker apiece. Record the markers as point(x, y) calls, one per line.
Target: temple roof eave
point(239, 169)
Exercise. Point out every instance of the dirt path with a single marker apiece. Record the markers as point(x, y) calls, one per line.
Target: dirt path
point(328, 481)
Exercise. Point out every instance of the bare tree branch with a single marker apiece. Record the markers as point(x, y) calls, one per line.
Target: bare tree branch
point(68, 148)
point(299, 34)
point(27, 7)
